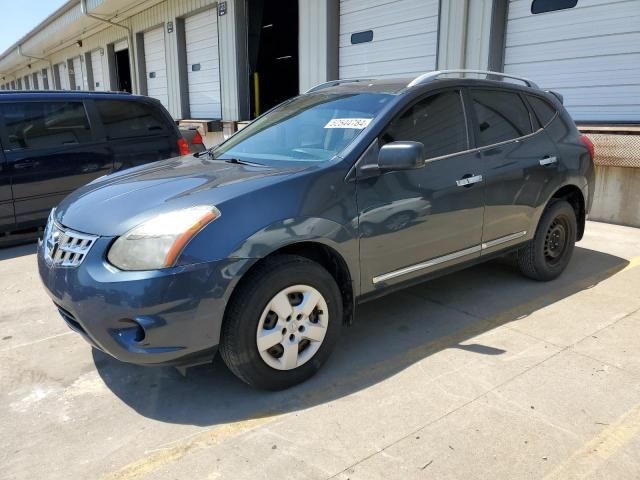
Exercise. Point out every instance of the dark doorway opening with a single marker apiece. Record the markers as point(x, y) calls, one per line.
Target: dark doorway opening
point(273, 53)
point(123, 71)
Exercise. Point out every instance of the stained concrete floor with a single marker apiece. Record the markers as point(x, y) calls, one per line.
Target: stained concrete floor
point(480, 374)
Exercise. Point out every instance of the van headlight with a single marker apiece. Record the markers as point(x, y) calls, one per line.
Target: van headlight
point(158, 242)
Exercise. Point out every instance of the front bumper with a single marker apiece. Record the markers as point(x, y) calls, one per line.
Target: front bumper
point(164, 317)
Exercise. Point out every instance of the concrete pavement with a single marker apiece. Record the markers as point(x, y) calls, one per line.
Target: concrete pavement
point(480, 374)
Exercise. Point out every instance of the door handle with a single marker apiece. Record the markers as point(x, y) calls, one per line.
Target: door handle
point(548, 161)
point(25, 164)
point(468, 181)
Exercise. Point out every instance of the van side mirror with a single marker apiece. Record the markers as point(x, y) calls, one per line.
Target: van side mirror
point(401, 156)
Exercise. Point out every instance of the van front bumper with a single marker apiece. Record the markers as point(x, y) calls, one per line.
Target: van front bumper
point(163, 317)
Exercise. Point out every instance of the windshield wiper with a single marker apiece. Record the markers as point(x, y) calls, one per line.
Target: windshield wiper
point(237, 161)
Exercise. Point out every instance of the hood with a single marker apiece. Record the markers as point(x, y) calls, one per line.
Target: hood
point(112, 205)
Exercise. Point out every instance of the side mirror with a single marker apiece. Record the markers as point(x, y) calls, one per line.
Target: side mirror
point(401, 156)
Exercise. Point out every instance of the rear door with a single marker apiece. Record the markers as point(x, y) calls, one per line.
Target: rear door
point(518, 164)
point(50, 150)
point(136, 132)
point(413, 222)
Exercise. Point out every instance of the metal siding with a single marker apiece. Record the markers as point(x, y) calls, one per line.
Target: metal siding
point(588, 53)
point(201, 33)
point(405, 38)
point(156, 65)
point(154, 14)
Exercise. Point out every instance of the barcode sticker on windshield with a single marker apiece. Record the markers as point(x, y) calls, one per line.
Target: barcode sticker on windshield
point(355, 123)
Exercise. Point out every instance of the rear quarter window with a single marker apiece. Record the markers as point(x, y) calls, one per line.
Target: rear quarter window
point(125, 119)
point(542, 109)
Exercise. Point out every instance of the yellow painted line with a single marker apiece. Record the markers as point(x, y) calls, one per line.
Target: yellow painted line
point(633, 263)
point(160, 458)
point(600, 448)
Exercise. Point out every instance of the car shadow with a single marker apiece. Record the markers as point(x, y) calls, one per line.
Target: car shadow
point(388, 335)
point(11, 251)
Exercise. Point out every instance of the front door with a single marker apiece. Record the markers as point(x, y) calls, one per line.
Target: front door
point(413, 222)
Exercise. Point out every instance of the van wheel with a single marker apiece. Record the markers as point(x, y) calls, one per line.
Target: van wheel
point(282, 323)
point(548, 254)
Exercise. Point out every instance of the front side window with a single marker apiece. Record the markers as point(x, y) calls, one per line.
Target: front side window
point(32, 125)
point(437, 121)
point(501, 116)
point(124, 119)
point(309, 128)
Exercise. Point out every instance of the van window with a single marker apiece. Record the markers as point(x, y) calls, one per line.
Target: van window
point(542, 109)
point(501, 116)
point(437, 121)
point(31, 125)
point(123, 119)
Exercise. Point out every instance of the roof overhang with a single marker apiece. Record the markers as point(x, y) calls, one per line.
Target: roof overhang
point(66, 26)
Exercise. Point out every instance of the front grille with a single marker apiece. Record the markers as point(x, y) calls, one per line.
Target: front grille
point(64, 247)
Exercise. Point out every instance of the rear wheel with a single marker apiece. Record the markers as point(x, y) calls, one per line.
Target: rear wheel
point(548, 254)
point(282, 323)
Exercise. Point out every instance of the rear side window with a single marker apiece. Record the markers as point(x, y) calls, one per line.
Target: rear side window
point(123, 119)
point(501, 116)
point(542, 109)
point(33, 125)
point(437, 121)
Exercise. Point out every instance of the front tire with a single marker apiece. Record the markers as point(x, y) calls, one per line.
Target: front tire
point(282, 323)
point(546, 256)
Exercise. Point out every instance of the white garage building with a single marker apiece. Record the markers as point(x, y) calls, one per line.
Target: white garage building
point(230, 60)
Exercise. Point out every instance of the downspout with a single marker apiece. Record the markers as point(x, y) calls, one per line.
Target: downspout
point(48, 60)
point(132, 58)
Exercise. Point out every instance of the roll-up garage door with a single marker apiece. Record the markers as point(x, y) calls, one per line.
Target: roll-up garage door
point(588, 53)
point(97, 71)
point(65, 83)
point(379, 38)
point(156, 65)
point(77, 73)
point(203, 65)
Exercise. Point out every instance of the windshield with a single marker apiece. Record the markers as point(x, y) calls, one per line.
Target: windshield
point(309, 128)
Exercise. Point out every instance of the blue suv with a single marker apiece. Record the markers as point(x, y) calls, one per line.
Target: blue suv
point(263, 246)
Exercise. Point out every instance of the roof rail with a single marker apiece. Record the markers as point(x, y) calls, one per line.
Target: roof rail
point(110, 92)
point(424, 78)
point(335, 83)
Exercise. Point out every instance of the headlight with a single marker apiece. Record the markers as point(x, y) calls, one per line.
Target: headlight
point(157, 243)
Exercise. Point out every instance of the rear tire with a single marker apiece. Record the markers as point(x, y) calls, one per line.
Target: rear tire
point(546, 256)
point(282, 323)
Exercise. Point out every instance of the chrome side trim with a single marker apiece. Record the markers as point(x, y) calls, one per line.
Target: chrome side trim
point(427, 264)
point(449, 257)
point(501, 240)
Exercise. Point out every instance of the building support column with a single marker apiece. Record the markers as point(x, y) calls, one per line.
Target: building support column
point(319, 24)
point(465, 37)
